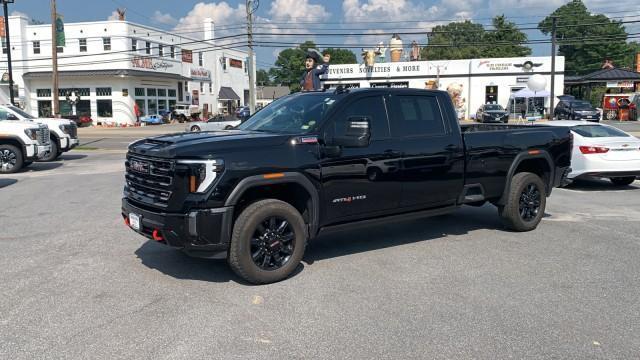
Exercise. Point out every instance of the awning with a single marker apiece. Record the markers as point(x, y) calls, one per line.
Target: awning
point(115, 72)
point(528, 93)
point(227, 93)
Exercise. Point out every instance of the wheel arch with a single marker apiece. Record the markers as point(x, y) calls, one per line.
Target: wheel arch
point(539, 163)
point(15, 141)
point(287, 187)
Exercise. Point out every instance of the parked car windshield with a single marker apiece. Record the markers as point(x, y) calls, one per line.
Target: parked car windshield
point(596, 131)
point(21, 112)
point(584, 105)
point(294, 114)
point(493, 107)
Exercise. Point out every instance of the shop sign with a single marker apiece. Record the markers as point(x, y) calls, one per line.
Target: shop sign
point(396, 84)
point(235, 63)
point(389, 69)
point(492, 66)
point(149, 63)
point(522, 79)
point(200, 74)
point(187, 56)
point(620, 84)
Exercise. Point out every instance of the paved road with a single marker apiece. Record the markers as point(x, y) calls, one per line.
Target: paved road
point(77, 284)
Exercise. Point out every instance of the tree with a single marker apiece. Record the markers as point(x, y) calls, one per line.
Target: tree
point(341, 56)
point(263, 78)
point(289, 65)
point(585, 39)
point(467, 40)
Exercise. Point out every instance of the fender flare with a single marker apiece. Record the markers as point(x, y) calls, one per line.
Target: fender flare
point(523, 156)
point(288, 177)
point(23, 146)
point(55, 137)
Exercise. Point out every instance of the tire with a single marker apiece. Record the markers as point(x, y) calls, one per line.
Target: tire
point(243, 250)
point(53, 154)
point(10, 159)
point(623, 181)
point(518, 213)
point(228, 127)
point(195, 128)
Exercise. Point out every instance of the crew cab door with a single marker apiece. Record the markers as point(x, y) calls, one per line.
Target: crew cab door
point(432, 167)
point(359, 181)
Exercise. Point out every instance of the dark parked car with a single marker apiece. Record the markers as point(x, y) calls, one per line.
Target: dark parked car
point(243, 112)
point(576, 110)
point(313, 162)
point(492, 113)
point(80, 120)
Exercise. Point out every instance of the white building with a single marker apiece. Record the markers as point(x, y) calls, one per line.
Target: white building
point(114, 65)
point(473, 82)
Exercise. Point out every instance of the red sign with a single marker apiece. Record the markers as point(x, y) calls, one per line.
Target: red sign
point(235, 63)
point(2, 33)
point(638, 62)
point(195, 98)
point(187, 56)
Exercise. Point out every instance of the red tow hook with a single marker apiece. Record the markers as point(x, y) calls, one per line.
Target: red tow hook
point(126, 221)
point(156, 235)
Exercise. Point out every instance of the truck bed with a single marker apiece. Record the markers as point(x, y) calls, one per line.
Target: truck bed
point(492, 148)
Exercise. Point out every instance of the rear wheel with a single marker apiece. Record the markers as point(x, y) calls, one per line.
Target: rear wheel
point(623, 181)
point(195, 128)
point(268, 241)
point(525, 203)
point(10, 159)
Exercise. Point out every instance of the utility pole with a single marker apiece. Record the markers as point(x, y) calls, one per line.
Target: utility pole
point(54, 58)
point(553, 65)
point(252, 6)
point(6, 33)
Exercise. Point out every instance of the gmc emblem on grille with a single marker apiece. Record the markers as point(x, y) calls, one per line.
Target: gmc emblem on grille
point(139, 166)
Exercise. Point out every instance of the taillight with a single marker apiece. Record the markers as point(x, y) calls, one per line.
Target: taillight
point(593, 149)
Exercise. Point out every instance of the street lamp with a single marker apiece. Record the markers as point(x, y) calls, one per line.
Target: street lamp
point(6, 33)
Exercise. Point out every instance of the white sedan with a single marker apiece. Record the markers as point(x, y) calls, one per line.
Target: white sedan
point(601, 150)
point(213, 124)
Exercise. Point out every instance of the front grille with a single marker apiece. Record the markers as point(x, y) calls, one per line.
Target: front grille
point(43, 135)
point(149, 180)
point(73, 130)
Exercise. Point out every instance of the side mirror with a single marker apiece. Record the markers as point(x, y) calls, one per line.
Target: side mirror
point(353, 133)
point(12, 117)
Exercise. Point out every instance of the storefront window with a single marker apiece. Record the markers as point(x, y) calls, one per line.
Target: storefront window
point(103, 91)
point(152, 106)
point(162, 105)
point(105, 108)
point(172, 92)
point(83, 108)
point(151, 92)
point(139, 91)
point(44, 108)
point(172, 105)
point(64, 107)
point(43, 93)
point(141, 106)
point(162, 92)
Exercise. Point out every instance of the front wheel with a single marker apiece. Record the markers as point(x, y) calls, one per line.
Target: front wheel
point(53, 154)
point(268, 241)
point(525, 203)
point(10, 159)
point(623, 181)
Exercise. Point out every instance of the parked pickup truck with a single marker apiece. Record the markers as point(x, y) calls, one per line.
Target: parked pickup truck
point(21, 143)
point(319, 161)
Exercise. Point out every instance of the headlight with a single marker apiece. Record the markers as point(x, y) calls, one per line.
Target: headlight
point(64, 128)
point(31, 133)
point(202, 173)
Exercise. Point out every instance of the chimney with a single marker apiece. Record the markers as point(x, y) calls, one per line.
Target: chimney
point(209, 29)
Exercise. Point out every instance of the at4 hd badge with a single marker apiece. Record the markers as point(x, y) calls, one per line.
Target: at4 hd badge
point(349, 199)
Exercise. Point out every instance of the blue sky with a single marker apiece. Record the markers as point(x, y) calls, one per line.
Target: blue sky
point(316, 16)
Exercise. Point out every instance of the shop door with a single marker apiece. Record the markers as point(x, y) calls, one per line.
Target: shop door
point(491, 95)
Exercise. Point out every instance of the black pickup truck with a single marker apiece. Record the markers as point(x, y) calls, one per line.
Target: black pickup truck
point(312, 162)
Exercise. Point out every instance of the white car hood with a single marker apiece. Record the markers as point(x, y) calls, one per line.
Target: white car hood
point(52, 121)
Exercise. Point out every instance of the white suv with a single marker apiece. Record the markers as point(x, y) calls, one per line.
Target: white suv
point(64, 133)
point(21, 143)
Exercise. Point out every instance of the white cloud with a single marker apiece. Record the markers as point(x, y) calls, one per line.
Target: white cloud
point(221, 13)
point(18, 13)
point(165, 19)
point(297, 11)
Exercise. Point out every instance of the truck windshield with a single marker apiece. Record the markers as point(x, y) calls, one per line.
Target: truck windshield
point(20, 112)
point(294, 114)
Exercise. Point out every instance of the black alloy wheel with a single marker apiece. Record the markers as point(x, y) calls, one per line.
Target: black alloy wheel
point(529, 205)
point(8, 159)
point(273, 243)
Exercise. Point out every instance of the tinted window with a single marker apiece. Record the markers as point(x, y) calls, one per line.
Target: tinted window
point(581, 105)
point(373, 108)
point(493, 107)
point(417, 115)
point(3, 114)
point(595, 131)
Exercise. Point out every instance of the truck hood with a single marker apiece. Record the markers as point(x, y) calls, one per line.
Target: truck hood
point(16, 125)
point(52, 121)
point(206, 144)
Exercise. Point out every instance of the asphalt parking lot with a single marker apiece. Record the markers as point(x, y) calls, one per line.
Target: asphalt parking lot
point(78, 284)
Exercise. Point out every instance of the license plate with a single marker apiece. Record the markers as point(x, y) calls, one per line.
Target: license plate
point(134, 221)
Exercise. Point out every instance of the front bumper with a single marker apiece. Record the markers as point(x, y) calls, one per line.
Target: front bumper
point(67, 144)
point(35, 152)
point(201, 232)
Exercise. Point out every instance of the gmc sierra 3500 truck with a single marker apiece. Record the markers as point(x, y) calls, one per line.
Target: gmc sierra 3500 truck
point(316, 161)
point(21, 143)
